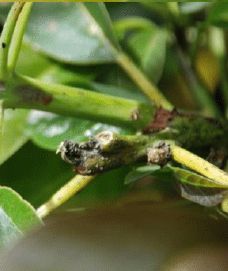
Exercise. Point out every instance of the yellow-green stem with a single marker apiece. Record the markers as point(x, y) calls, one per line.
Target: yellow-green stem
point(199, 165)
point(76, 102)
point(18, 34)
point(63, 194)
point(6, 36)
point(146, 86)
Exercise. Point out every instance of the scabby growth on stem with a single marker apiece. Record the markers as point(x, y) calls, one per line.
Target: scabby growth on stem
point(105, 151)
point(159, 153)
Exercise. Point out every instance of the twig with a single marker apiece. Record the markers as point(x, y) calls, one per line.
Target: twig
point(105, 151)
point(18, 34)
point(146, 86)
point(63, 194)
point(70, 101)
point(108, 150)
point(6, 36)
point(199, 165)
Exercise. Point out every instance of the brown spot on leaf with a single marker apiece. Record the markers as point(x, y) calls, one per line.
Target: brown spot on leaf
point(3, 45)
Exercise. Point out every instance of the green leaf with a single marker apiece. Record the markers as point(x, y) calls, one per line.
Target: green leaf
point(192, 178)
point(30, 62)
point(34, 64)
point(118, 91)
point(140, 172)
point(16, 216)
point(49, 130)
point(14, 133)
point(218, 14)
point(126, 25)
point(149, 48)
point(37, 174)
point(100, 17)
point(78, 33)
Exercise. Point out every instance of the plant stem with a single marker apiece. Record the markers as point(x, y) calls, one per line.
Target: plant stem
point(105, 151)
point(63, 194)
point(18, 34)
point(199, 165)
point(77, 102)
point(6, 37)
point(147, 87)
point(109, 150)
point(191, 131)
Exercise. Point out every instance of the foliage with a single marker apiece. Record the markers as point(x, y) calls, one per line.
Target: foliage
point(81, 45)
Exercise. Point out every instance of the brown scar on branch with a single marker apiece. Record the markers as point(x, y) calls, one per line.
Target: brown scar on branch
point(36, 96)
point(105, 151)
point(161, 120)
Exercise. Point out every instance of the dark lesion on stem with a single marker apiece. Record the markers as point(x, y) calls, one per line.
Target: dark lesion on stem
point(105, 151)
point(29, 95)
point(109, 150)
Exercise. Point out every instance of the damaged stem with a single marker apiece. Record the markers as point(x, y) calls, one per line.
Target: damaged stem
point(108, 150)
point(105, 151)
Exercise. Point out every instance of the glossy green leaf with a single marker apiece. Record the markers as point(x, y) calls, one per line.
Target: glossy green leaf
point(118, 84)
point(35, 173)
point(16, 216)
point(72, 32)
point(49, 130)
point(33, 63)
point(127, 9)
point(99, 16)
point(140, 172)
point(30, 62)
point(192, 178)
point(13, 134)
point(8, 230)
point(218, 14)
point(118, 91)
point(149, 48)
